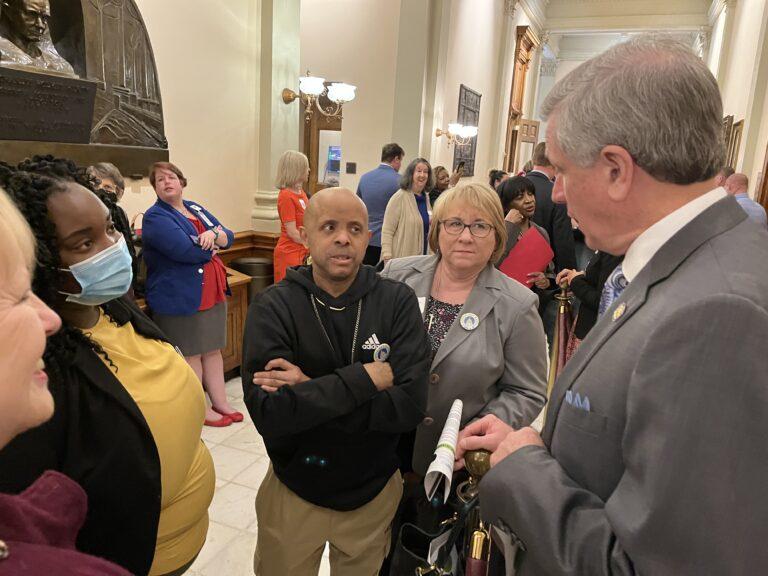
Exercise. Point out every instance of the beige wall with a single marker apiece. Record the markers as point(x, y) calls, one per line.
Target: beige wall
point(716, 43)
point(475, 39)
point(207, 56)
point(741, 50)
point(355, 41)
point(471, 43)
point(759, 154)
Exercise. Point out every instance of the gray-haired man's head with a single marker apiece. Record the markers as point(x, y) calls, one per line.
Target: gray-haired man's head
point(633, 133)
point(652, 96)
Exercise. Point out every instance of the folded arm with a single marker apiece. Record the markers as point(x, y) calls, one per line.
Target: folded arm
point(161, 232)
point(229, 236)
point(293, 409)
point(401, 408)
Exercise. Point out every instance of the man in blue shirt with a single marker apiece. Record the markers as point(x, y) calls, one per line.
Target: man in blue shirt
point(737, 186)
point(375, 189)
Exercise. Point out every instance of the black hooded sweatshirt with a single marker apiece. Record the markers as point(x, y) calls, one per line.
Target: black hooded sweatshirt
point(333, 439)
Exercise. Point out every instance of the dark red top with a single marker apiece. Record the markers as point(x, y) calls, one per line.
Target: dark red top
point(214, 276)
point(40, 526)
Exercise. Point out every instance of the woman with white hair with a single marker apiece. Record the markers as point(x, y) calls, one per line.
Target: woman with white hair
point(292, 175)
point(406, 219)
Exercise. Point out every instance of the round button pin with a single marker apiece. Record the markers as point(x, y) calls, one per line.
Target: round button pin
point(469, 321)
point(381, 354)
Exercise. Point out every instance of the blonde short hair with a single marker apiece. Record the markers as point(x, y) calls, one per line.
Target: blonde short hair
point(291, 168)
point(15, 236)
point(479, 196)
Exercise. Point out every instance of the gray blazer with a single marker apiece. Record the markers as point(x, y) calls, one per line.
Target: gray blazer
point(665, 471)
point(498, 368)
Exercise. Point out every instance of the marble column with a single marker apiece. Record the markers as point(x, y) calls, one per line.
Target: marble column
point(411, 75)
point(278, 128)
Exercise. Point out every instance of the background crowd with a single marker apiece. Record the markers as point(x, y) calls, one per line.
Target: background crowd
point(390, 303)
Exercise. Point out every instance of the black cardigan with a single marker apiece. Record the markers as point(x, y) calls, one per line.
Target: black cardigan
point(99, 438)
point(589, 287)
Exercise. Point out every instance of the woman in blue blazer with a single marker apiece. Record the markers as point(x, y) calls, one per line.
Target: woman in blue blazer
point(187, 283)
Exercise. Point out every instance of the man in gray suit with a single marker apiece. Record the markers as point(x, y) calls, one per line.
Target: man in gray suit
point(653, 459)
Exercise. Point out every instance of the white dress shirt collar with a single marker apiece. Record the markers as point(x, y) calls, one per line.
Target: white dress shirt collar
point(649, 242)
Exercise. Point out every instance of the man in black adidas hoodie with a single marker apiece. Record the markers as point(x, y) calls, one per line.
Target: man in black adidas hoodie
point(336, 362)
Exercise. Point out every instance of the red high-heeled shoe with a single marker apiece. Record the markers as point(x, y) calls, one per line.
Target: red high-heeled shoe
point(234, 416)
point(220, 423)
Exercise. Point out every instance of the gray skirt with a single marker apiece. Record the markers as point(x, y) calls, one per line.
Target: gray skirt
point(199, 333)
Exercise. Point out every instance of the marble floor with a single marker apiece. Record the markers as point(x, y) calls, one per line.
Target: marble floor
point(241, 463)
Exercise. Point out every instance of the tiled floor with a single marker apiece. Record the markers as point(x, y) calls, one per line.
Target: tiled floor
point(241, 463)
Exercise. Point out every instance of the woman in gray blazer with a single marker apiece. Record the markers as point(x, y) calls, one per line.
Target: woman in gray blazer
point(488, 344)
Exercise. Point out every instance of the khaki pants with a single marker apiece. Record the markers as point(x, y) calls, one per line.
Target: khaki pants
point(292, 532)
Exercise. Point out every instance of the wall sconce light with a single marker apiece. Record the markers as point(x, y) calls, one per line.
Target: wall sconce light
point(458, 134)
point(311, 88)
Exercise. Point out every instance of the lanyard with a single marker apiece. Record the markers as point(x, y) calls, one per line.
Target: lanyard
point(201, 214)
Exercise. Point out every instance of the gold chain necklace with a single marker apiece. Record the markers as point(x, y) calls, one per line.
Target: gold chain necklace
point(314, 299)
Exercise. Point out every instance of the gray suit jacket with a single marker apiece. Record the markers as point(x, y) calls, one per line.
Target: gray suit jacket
point(498, 368)
point(666, 472)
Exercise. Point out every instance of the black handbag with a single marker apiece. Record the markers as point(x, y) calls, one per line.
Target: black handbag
point(412, 549)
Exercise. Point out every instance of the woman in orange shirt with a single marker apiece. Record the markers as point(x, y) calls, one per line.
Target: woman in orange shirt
point(292, 174)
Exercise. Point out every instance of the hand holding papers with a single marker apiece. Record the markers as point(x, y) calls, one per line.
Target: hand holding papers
point(532, 253)
point(440, 471)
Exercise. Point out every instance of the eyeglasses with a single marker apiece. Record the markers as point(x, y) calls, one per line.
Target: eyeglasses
point(454, 227)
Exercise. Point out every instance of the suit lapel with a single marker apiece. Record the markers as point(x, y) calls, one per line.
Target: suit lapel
point(718, 218)
point(480, 302)
point(422, 283)
point(633, 298)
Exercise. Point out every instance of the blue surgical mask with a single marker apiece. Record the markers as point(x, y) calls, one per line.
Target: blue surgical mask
point(103, 277)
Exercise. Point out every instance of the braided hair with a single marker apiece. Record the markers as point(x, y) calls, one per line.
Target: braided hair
point(30, 185)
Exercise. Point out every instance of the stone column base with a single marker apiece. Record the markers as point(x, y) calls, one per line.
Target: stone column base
point(264, 216)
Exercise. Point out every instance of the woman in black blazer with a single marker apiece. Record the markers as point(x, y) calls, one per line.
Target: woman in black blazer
point(100, 435)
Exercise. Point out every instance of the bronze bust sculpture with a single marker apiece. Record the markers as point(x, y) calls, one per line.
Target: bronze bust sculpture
point(25, 39)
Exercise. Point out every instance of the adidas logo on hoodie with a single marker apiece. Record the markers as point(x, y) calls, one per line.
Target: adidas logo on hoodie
point(372, 343)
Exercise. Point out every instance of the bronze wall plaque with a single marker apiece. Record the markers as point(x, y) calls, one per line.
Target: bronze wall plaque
point(118, 55)
point(25, 40)
point(45, 108)
point(107, 44)
point(133, 161)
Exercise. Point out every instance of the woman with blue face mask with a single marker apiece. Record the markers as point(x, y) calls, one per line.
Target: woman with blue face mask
point(128, 409)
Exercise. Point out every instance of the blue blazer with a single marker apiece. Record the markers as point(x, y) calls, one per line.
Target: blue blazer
point(174, 261)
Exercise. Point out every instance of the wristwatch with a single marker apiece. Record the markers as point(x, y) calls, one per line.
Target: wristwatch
point(215, 231)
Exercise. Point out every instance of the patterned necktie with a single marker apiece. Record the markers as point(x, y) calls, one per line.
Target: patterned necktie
point(613, 288)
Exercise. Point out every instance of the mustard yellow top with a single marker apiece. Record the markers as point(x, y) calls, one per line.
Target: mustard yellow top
point(171, 399)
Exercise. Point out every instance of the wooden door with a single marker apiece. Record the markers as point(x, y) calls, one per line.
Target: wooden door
point(527, 41)
point(526, 138)
point(761, 192)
